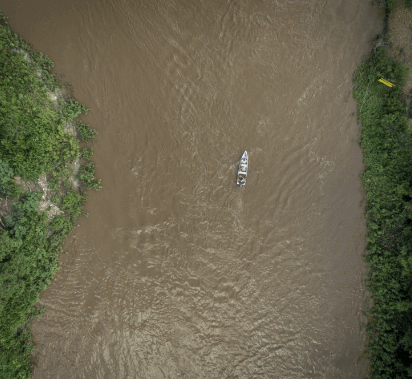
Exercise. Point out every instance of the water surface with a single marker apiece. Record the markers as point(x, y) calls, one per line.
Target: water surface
point(178, 273)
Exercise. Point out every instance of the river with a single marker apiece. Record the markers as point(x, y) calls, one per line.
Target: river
point(177, 272)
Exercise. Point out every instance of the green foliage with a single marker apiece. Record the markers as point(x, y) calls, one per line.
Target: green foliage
point(6, 175)
point(86, 132)
point(70, 110)
point(391, 5)
point(87, 170)
point(27, 265)
point(87, 177)
point(25, 136)
point(386, 141)
point(87, 153)
point(62, 226)
point(8, 187)
point(73, 203)
point(55, 199)
point(32, 141)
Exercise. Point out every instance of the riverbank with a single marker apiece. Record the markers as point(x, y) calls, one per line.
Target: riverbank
point(44, 176)
point(386, 140)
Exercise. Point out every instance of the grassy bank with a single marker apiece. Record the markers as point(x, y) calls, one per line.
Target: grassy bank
point(43, 178)
point(386, 141)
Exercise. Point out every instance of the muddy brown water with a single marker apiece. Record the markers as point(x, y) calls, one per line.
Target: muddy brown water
point(178, 273)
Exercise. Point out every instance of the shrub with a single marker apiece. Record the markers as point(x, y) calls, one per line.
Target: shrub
point(386, 141)
point(87, 177)
point(70, 110)
point(73, 203)
point(87, 153)
point(8, 187)
point(6, 176)
point(27, 265)
point(86, 132)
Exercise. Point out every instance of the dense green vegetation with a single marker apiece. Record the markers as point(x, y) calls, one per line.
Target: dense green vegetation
point(386, 140)
point(33, 141)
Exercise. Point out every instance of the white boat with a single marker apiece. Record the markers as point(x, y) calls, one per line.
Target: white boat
point(242, 172)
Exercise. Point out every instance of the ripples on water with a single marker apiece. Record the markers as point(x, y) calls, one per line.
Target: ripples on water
point(178, 273)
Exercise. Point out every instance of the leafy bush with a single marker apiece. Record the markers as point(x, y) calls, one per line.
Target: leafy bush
point(55, 199)
point(27, 265)
point(6, 176)
point(86, 132)
point(386, 141)
point(62, 226)
point(87, 153)
point(32, 140)
point(26, 141)
point(70, 110)
point(8, 187)
point(87, 177)
point(73, 203)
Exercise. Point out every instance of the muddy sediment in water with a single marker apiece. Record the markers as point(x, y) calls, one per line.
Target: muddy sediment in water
point(177, 272)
